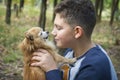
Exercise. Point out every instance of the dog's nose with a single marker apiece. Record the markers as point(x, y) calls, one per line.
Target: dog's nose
point(44, 34)
point(47, 32)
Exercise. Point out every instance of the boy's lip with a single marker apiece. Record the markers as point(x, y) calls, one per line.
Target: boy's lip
point(56, 39)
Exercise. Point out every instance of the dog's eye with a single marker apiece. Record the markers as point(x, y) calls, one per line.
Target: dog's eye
point(31, 38)
point(41, 33)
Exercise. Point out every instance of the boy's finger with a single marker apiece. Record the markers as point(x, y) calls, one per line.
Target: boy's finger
point(36, 64)
point(37, 54)
point(38, 58)
point(42, 50)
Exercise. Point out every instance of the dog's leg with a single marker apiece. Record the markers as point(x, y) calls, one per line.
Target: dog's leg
point(62, 59)
point(58, 58)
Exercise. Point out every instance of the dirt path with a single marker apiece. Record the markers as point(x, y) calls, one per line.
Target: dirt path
point(11, 71)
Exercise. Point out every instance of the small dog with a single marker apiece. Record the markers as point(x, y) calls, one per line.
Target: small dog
point(35, 38)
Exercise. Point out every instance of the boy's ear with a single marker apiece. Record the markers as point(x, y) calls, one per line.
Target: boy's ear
point(78, 31)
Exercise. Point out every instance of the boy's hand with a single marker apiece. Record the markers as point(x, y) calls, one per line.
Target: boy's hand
point(45, 60)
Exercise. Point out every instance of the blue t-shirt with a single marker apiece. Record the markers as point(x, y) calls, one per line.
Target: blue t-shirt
point(95, 64)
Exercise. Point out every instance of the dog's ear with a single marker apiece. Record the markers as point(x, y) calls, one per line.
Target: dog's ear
point(29, 36)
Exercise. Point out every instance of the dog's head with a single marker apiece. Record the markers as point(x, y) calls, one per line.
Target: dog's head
point(36, 33)
point(34, 39)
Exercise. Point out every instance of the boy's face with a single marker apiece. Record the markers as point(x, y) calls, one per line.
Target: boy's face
point(63, 33)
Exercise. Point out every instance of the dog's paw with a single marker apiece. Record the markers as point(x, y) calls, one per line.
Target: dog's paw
point(73, 60)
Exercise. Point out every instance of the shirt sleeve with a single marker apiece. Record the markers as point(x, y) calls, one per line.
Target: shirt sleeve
point(54, 75)
point(88, 73)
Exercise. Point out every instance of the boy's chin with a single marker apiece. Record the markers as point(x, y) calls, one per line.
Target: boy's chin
point(60, 46)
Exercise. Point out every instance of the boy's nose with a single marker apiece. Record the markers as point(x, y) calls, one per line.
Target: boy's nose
point(53, 32)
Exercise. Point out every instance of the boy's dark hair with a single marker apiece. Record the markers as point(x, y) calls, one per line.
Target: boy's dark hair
point(78, 13)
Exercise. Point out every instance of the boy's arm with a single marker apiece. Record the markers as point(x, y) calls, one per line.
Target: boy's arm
point(88, 73)
point(54, 75)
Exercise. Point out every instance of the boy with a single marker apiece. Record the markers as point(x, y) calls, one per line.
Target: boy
point(73, 27)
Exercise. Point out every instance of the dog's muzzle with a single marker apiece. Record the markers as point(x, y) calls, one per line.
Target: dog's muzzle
point(44, 34)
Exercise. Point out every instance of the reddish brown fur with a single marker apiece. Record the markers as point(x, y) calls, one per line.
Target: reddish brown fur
point(30, 44)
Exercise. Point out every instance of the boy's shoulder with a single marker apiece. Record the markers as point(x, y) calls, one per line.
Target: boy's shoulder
point(97, 58)
point(96, 54)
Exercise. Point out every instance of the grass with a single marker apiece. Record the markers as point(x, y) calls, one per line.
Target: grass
point(13, 56)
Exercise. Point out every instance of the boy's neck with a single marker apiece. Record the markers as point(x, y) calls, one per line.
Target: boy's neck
point(82, 48)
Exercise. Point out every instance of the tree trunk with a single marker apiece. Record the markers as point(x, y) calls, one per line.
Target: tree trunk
point(55, 3)
point(0, 1)
point(8, 11)
point(98, 9)
point(101, 9)
point(21, 5)
point(15, 8)
point(114, 8)
point(42, 18)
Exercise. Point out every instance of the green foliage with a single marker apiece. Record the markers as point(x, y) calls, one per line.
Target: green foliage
point(103, 35)
point(6, 33)
point(10, 38)
point(107, 3)
point(2, 11)
point(13, 56)
point(15, 1)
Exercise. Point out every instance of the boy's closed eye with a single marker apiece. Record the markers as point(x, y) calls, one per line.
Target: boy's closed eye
point(58, 27)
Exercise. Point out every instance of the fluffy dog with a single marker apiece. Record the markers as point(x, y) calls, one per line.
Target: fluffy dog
point(35, 39)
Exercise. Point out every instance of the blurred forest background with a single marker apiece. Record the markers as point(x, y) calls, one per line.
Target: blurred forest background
point(16, 16)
